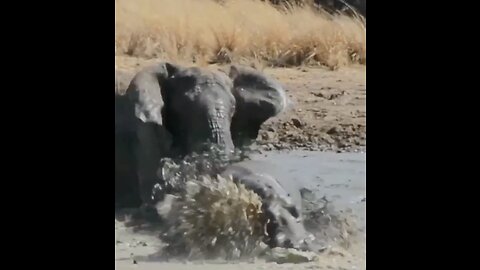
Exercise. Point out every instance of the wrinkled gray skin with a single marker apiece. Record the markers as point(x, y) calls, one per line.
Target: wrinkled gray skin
point(283, 207)
point(171, 111)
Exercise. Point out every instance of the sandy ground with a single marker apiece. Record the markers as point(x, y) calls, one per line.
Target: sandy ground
point(327, 109)
point(134, 249)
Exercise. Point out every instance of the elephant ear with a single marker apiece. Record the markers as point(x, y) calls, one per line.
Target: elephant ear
point(145, 91)
point(258, 98)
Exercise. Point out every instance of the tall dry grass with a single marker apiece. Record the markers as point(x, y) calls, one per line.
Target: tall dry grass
point(206, 31)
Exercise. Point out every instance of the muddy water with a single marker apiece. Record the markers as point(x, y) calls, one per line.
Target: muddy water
point(340, 177)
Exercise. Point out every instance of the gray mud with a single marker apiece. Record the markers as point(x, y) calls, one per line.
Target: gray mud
point(339, 178)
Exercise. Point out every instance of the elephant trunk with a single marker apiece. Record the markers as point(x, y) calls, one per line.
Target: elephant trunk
point(219, 124)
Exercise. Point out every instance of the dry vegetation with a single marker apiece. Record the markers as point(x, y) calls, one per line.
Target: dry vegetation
point(206, 31)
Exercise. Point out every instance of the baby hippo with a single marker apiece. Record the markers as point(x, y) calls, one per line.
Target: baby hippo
point(281, 203)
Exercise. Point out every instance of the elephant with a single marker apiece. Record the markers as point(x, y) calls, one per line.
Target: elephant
point(283, 208)
point(170, 111)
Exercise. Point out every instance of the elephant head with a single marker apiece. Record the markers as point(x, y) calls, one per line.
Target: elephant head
point(198, 110)
point(206, 106)
point(172, 110)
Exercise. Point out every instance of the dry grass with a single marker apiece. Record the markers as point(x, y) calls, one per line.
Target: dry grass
point(205, 31)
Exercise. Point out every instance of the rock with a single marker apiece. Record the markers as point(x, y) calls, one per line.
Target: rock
point(277, 146)
point(290, 255)
point(343, 144)
point(328, 139)
point(268, 136)
point(333, 130)
point(356, 141)
point(297, 123)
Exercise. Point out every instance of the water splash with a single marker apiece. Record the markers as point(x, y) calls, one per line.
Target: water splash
point(215, 218)
point(212, 217)
point(176, 172)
